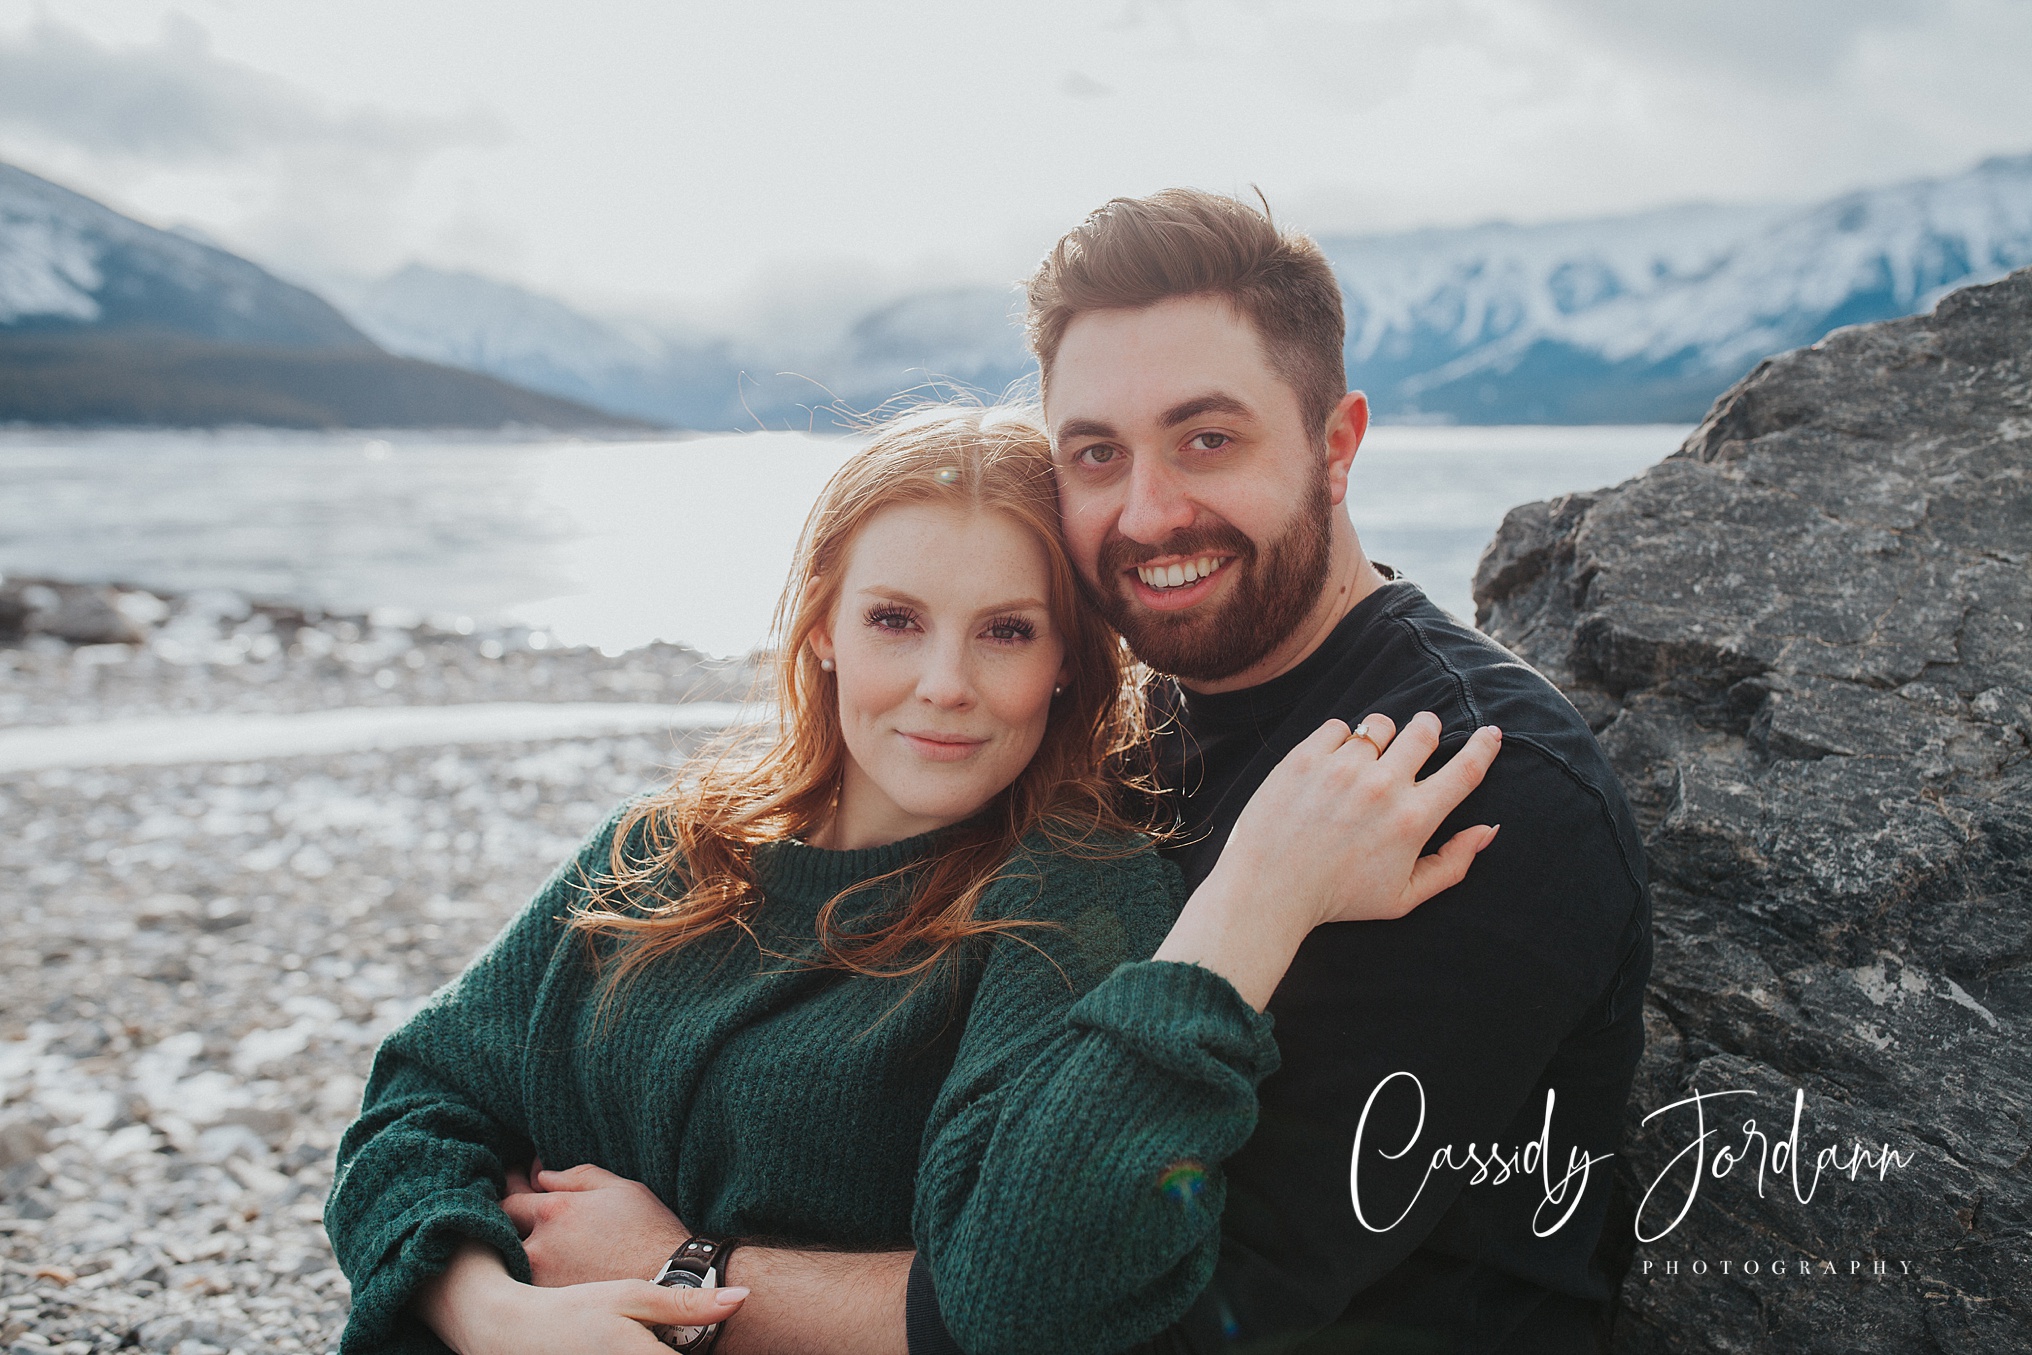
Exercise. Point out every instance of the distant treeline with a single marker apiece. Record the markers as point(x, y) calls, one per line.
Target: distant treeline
point(128, 377)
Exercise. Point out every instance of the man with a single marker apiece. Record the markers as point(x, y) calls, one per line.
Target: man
point(1429, 1168)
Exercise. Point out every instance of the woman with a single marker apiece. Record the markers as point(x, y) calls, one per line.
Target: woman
point(883, 980)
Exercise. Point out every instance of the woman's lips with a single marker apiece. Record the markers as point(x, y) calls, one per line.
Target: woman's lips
point(940, 747)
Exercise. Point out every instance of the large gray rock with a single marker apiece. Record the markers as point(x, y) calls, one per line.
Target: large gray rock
point(1803, 639)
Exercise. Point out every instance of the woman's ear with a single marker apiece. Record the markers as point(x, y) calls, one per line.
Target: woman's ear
point(821, 642)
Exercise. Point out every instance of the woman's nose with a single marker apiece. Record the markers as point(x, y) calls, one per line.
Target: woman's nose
point(947, 680)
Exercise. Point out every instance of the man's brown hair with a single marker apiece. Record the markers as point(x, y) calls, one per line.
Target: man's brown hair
point(1135, 252)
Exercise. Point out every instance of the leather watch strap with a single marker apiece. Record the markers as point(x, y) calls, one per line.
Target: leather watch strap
point(700, 1263)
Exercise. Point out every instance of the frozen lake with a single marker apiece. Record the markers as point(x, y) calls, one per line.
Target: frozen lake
point(617, 544)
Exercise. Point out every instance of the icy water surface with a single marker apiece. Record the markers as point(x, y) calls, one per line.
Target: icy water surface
point(617, 544)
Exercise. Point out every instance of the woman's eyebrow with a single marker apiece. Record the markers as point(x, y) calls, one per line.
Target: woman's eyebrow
point(877, 590)
point(1017, 605)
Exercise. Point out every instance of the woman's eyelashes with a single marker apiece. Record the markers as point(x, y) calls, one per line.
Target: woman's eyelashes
point(893, 619)
point(903, 621)
point(1010, 629)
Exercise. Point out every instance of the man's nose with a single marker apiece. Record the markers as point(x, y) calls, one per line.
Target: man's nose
point(947, 680)
point(1157, 506)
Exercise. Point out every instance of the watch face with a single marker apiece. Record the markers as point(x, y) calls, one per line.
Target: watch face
point(679, 1338)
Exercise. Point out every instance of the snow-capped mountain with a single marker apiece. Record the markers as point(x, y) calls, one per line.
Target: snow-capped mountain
point(105, 320)
point(1652, 315)
point(1633, 318)
point(67, 262)
point(690, 378)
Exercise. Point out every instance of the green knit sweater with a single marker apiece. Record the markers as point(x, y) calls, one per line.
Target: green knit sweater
point(1044, 1122)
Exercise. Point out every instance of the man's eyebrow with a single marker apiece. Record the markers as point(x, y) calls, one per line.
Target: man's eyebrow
point(1184, 412)
point(1085, 428)
point(1201, 405)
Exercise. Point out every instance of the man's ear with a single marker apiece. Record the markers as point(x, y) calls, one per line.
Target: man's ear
point(1345, 429)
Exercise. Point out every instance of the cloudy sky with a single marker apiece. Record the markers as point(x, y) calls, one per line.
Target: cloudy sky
point(670, 154)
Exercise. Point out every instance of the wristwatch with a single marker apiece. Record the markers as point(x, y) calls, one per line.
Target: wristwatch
point(701, 1263)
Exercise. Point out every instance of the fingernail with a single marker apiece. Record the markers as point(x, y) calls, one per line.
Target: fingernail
point(1493, 830)
point(730, 1295)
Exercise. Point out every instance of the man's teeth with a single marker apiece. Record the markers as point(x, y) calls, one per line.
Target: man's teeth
point(1177, 576)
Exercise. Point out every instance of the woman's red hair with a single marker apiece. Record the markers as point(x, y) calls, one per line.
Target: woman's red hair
point(702, 831)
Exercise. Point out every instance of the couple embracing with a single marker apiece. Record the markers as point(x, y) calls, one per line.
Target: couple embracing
point(1012, 995)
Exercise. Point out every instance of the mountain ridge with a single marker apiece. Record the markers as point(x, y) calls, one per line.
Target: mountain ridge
point(105, 320)
point(68, 261)
point(1637, 318)
point(1641, 317)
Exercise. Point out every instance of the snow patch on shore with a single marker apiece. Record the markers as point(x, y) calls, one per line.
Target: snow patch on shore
point(169, 740)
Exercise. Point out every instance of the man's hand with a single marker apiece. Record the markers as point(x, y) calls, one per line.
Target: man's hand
point(586, 1224)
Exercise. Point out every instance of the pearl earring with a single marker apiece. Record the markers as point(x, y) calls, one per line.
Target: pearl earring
point(1055, 691)
point(826, 664)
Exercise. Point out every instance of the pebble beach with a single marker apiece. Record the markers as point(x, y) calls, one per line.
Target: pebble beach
point(243, 842)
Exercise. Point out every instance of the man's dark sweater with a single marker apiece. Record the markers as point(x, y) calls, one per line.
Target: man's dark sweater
point(1520, 986)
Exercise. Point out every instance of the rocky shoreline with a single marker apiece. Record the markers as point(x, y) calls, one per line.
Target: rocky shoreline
point(200, 957)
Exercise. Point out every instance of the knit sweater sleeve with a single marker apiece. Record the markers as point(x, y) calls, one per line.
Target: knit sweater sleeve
point(1069, 1193)
point(422, 1168)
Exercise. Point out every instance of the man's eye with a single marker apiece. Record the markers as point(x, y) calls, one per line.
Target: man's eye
point(1210, 442)
point(1098, 455)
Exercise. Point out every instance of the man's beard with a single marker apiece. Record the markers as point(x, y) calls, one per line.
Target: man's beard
point(1274, 591)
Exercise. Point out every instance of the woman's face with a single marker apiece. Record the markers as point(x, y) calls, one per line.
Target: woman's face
point(945, 656)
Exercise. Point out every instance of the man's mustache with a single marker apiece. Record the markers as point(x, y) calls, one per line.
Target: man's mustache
point(1119, 553)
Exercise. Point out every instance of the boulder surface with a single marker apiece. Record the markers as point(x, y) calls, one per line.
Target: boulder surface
point(1803, 640)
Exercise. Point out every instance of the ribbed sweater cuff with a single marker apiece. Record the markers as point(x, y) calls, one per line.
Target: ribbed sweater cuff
point(1176, 1014)
point(381, 1319)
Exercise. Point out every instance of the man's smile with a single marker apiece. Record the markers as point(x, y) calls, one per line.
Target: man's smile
point(1171, 585)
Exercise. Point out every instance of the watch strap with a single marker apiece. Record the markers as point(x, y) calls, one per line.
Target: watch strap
point(702, 1263)
point(700, 1256)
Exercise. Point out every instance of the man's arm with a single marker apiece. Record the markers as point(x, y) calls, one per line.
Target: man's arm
point(586, 1225)
point(817, 1303)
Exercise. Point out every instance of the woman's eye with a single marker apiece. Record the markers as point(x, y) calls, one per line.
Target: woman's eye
point(1015, 628)
point(889, 619)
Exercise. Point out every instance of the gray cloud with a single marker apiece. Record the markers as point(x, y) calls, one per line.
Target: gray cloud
point(1789, 40)
point(176, 102)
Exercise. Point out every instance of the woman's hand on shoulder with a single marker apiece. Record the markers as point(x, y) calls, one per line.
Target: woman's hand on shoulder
point(1337, 826)
point(477, 1308)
